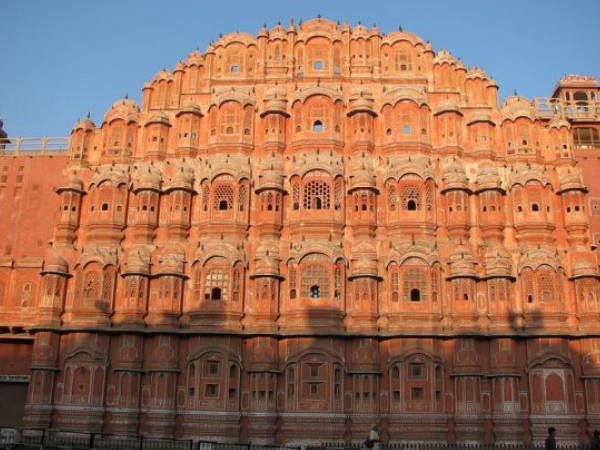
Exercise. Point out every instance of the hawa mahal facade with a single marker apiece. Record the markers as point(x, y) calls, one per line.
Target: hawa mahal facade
point(302, 234)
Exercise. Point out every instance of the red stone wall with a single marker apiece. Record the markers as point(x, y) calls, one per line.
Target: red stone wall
point(28, 211)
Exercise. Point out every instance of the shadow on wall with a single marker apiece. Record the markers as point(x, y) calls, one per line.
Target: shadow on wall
point(319, 389)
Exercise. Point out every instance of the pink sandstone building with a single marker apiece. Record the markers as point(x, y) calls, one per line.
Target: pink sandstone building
point(301, 234)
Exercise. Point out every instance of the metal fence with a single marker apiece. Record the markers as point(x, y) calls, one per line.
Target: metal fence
point(28, 438)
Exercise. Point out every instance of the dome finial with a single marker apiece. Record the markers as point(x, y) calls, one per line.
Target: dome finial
point(516, 93)
point(126, 95)
point(318, 16)
point(88, 115)
point(400, 27)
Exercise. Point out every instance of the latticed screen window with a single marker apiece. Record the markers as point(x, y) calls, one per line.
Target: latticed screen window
point(317, 114)
point(234, 63)
point(492, 290)
point(315, 281)
point(242, 196)
point(395, 286)
point(591, 291)
point(522, 135)
point(546, 285)
point(339, 192)
point(497, 290)
point(236, 288)
point(91, 285)
point(198, 283)
point(411, 200)
point(230, 121)
point(392, 198)
point(216, 284)
point(316, 195)
point(293, 282)
point(213, 121)
point(296, 196)
point(415, 285)
point(115, 136)
point(535, 199)
point(338, 282)
point(223, 197)
point(205, 197)
point(527, 277)
point(435, 287)
point(402, 61)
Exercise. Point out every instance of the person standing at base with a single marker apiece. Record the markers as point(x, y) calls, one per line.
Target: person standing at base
point(550, 443)
point(595, 443)
point(373, 439)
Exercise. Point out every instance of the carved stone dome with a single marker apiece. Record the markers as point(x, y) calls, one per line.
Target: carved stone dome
point(454, 175)
point(585, 268)
point(462, 263)
point(55, 263)
point(488, 178)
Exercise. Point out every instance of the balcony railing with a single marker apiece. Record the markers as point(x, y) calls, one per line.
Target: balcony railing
point(34, 146)
point(548, 108)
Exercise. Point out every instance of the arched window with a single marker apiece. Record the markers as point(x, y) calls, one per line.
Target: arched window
point(236, 287)
point(205, 196)
point(394, 283)
point(222, 197)
point(216, 284)
point(415, 283)
point(429, 196)
point(293, 282)
point(546, 286)
point(392, 197)
point(316, 195)
point(317, 126)
point(242, 193)
point(295, 196)
point(411, 200)
point(315, 277)
point(91, 285)
point(318, 65)
point(528, 284)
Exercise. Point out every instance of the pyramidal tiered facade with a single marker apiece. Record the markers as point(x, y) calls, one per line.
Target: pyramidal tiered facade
point(302, 234)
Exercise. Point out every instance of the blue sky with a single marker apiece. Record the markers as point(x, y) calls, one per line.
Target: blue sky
point(61, 59)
